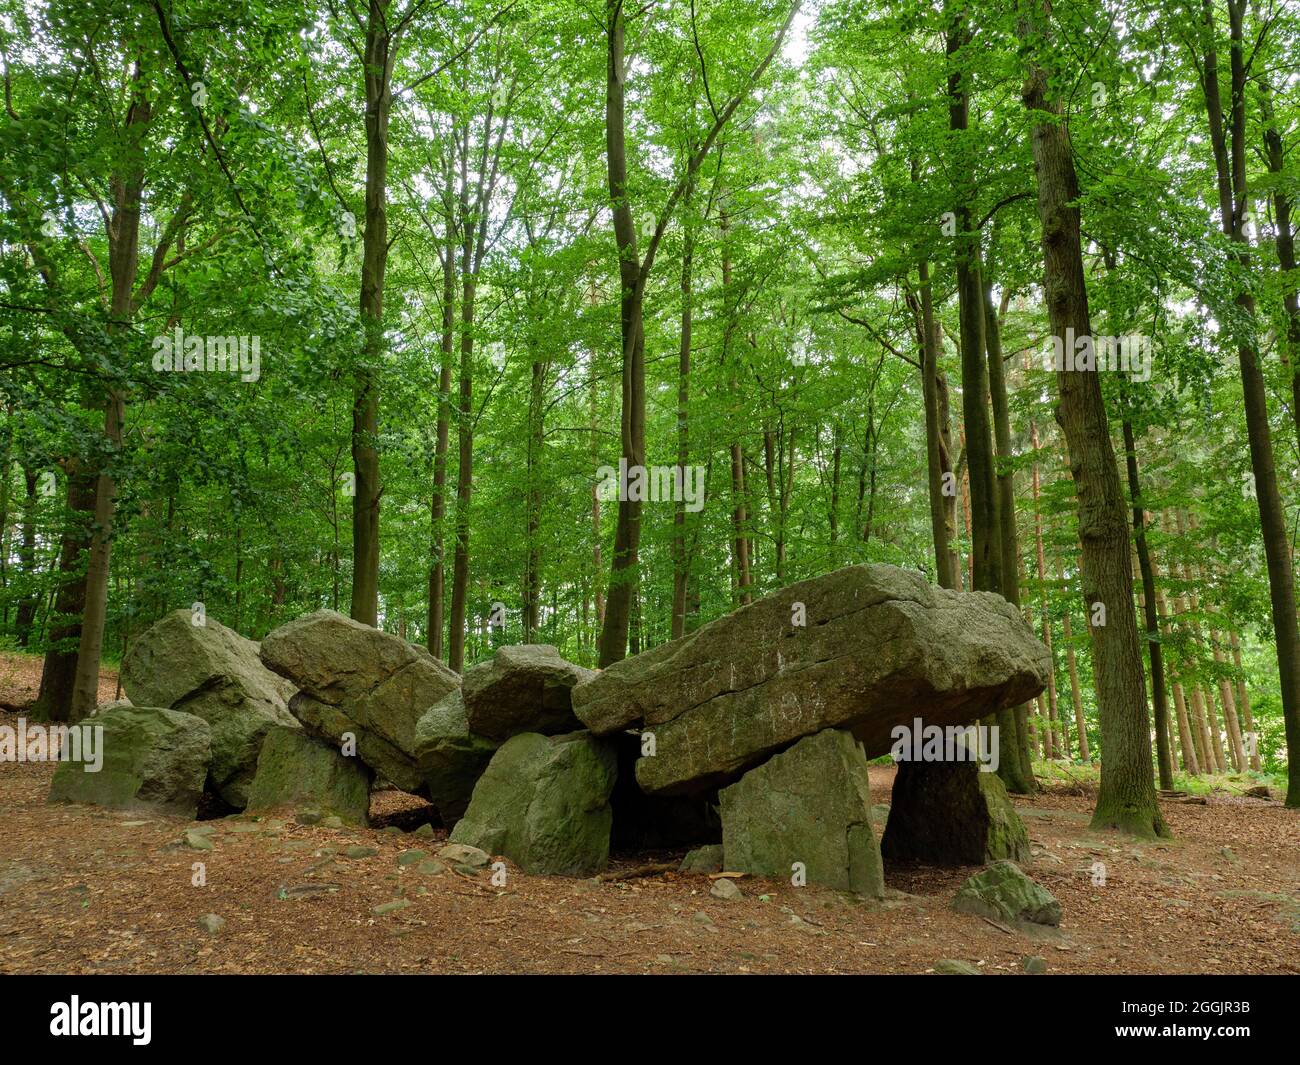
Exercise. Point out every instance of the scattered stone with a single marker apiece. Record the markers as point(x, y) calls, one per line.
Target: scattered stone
point(411, 857)
point(333, 821)
point(703, 860)
point(878, 646)
point(949, 967)
point(702, 918)
point(523, 688)
point(450, 758)
point(211, 923)
point(358, 851)
point(431, 867)
point(425, 831)
point(390, 907)
point(543, 802)
point(809, 805)
point(308, 817)
point(1035, 965)
point(1002, 892)
point(153, 759)
point(214, 673)
point(726, 889)
point(295, 768)
point(197, 841)
point(460, 854)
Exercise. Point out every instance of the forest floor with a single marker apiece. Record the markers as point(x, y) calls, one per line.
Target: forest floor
point(85, 890)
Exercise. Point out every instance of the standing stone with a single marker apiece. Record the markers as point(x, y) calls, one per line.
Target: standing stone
point(299, 772)
point(951, 813)
point(809, 804)
point(450, 758)
point(214, 673)
point(543, 802)
point(863, 648)
point(154, 760)
point(523, 688)
point(363, 681)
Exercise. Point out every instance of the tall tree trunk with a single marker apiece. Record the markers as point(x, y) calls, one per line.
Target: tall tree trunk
point(59, 670)
point(681, 562)
point(928, 344)
point(438, 506)
point(1229, 146)
point(1159, 697)
point(27, 558)
point(374, 262)
point(1126, 798)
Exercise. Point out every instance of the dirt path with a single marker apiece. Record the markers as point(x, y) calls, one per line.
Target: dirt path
point(84, 890)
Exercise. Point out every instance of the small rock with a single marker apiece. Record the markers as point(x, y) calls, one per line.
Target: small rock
point(466, 870)
point(702, 918)
point(703, 860)
point(725, 889)
point(390, 907)
point(211, 923)
point(358, 851)
point(411, 857)
point(391, 830)
point(949, 967)
point(1035, 965)
point(431, 867)
point(198, 841)
point(308, 817)
point(333, 821)
point(425, 831)
point(462, 854)
point(1002, 892)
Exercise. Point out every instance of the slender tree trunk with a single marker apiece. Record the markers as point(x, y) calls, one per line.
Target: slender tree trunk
point(681, 562)
point(1243, 702)
point(1126, 799)
point(374, 262)
point(438, 507)
point(59, 670)
point(1159, 697)
point(1230, 162)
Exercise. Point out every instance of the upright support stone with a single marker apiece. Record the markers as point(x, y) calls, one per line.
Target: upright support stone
point(951, 813)
point(806, 811)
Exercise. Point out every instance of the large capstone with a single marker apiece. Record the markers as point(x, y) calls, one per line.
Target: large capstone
point(191, 662)
point(522, 688)
point(360, 684)
point(153, 760)
point(543, 802)
point(451, 759)
point(298, 773)
point(863, 648)
point(806, 812)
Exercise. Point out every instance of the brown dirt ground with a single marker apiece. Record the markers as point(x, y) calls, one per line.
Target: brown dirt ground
point(84, 890)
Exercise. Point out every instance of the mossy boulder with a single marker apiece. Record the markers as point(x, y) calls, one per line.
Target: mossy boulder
point(214, 673)
point(522, 688)
point(300, 772)
point(543, 802)
point(451, 759)
point(154, 760)
point(810, 805)
point(1003, 892)
point(360, 680)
